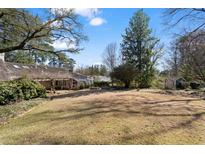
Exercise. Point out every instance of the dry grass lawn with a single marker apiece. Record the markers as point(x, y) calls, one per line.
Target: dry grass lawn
point(112, 117)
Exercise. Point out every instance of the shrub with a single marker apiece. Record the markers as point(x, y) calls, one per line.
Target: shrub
point(194, 85)
point(158, 82)
point(81, 86)
point(101, 84)
point(86, 86)
point(181, 83)
point(12, 91)
point(6, 94)
point(124, 73)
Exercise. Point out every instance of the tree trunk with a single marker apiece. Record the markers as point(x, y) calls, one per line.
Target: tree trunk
point(127, 84)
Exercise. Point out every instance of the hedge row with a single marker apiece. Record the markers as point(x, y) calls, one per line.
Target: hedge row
point(21, 89)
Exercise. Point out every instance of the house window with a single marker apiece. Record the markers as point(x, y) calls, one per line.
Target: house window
point(57, 83)
point(64, 82)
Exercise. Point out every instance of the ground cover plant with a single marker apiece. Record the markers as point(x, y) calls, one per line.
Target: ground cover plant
point(16, 109)
point(21, 89)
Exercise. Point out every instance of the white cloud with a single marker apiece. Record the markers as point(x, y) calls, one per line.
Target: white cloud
point(62, 44)
point(56, 24)
point(59, 45)
point(92, 14)
point(97, 21)
point(88, 13)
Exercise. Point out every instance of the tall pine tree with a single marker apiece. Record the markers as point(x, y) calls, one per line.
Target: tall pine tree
point(138, 48)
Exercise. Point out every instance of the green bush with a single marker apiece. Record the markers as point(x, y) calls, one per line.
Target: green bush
point(101, 84)
point(158, 82)
point(15, 90)
point(194, 85)
point(181, 83)
point(81, 86)
point(124, 73)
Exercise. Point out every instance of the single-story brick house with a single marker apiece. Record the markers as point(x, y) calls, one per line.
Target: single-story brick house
point(49, 77)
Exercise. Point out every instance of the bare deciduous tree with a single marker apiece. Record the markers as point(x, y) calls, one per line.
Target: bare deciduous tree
point(173, 59)
point(189, 45)
point(110, 56)
point(191, 49)
point(196, 16)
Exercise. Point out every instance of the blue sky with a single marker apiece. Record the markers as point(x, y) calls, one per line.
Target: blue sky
point(103, 26)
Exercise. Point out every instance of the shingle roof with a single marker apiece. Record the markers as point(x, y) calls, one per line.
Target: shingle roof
point(9, 71)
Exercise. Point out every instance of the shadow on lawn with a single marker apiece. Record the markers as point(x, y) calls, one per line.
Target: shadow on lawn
point(79, 93)
point(86, 92)
point(92, 91)
point(146, 137)
point(121, 108)
point(144, 107)
point(149, 137)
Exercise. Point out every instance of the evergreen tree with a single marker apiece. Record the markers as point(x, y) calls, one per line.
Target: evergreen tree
point(138, 48)
point(21, 30)
point(93, 70)
point(19, 57)
point(28, 57)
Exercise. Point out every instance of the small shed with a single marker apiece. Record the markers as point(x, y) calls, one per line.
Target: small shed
point(170, 83)
point(175, 83)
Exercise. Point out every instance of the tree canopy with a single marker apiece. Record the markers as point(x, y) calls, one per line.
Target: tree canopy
point(187, 52)
point(28, 38)
point(124, 73)
point(20, 30)
point(93, 70)
point(140, 48)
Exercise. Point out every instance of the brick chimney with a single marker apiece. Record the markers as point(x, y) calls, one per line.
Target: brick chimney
point(2, 56)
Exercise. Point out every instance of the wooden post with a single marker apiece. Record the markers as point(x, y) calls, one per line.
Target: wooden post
point(53, 86)
point(71, 87)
